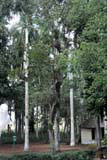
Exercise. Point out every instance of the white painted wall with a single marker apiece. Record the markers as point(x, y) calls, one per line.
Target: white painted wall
point(86, 137)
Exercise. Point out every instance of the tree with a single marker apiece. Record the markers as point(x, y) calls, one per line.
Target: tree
point(26, 13)
point(91, 62)
point(26, 64)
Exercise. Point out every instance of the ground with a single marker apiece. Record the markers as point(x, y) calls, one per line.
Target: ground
point(10, 149)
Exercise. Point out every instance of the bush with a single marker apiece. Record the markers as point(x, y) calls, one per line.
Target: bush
point(82, 155)
point(65, 137)
point(43, 137)
point(7, 138)
point(104, 141)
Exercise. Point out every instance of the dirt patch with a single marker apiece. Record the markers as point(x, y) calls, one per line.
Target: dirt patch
point(10, 149)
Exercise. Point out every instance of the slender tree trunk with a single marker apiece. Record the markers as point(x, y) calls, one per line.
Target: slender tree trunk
point(22, 126)
point(37, 132)
point(53, 129)
point(16, 123)
point(57, 110)
point(26, 144)
point(50, 128)
point(16, 118)
point(78, 130)
point(31, 122)
point(98, 132)
point(51, 139)
point(37, 135)
point(56, 133)
point(65, 126)
point(53, 124)
point(19, 124)
point(72, 134)
point(105, 124)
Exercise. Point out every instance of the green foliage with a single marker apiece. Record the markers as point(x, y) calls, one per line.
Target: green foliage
point(90, 60)
point(82, 155)
point(65, 137)
point(48, 23)
point(7, 138)
point(104, 141)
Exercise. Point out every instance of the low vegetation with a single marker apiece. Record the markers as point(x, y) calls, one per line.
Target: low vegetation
point(82, 155)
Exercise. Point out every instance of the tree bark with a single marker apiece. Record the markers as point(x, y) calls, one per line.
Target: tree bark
point(72, 134)
point(37, 135)
point(16, 116)
point(105, 124)
point(51, 139)
point(19, 124)
point(53, 129)
point(53, 123)
point(56, 133)
point(22, 126)
point(50, 128)
point(26, 144)
point(98, 132)
point(31, 122)
point(16, 123)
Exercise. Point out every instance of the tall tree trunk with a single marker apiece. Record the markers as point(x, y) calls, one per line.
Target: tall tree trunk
point(72, 134)
point(26, 144)
point(19, 124)
point(16, 123)
point(53, 124)
point(16, 117)
point(53, 128)
point(65, 126)
point(31, 122)
point(50, 128)
point(105, 124)
point(98, 132)
point(58, 82)
point(37, 129)
point(56, 132)
point(51, 139)
point(22, 126)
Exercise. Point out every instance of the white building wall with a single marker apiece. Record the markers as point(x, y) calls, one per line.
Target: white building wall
point(86, 137)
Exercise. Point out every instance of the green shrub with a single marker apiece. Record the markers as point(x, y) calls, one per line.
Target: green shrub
point(65, 137)
point(43, 137)
point(104, 141)
point(7, 138)
point(81, 155)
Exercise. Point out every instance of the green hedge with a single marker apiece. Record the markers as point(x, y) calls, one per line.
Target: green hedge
point(7, 138)
point(81, 155)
